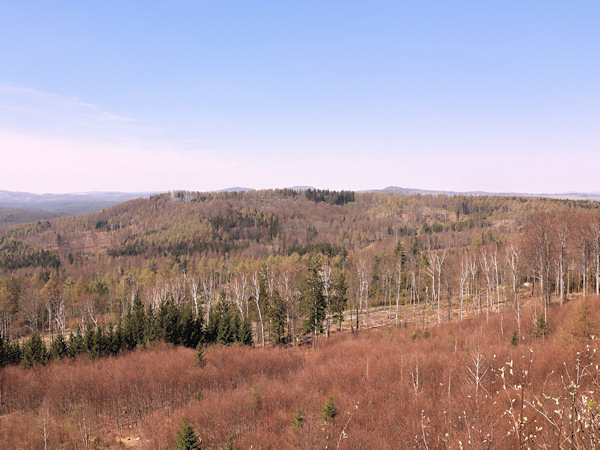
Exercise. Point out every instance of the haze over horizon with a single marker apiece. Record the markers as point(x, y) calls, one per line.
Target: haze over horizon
point(342, 95)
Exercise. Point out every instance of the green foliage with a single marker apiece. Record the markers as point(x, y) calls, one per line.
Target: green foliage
point(34, 351)
point(541, 326)
point(15, 254)
point(186, 437)
point(298, 419)
point(514, 338)
point(76, 345)
point(312, 299)
point(339, 299)
point(229, 443)
point(245, 332)
point(277, 314)
point(10, 354)
point(329, 410)
point(59, 349)
point(331, 197)
point(226, 327)
point(427, 333)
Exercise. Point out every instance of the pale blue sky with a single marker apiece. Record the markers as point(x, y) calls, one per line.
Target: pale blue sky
point(497, 96)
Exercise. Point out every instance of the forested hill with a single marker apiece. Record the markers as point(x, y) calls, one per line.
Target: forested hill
point(263, 223)
point(13, 216)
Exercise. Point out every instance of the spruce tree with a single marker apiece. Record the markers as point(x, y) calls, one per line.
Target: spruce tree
point(298, 419)
point(277, 314)
point(58, 349)
point(34, 351)
point(214, 322)
point(541, 326)
point(227, 331)
point(245, 332)
point(312, 299)
point(329, 410)
point(186, 437)
point(339, 299)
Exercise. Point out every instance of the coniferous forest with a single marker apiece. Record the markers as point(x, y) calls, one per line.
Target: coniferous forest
point(300, 319)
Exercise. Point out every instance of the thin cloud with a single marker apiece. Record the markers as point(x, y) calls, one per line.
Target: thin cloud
point(15, 95)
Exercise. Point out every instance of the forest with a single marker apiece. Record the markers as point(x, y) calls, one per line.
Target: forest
point(245, 293)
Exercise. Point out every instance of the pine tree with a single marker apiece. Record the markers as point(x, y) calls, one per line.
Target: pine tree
point(329, 410)
point(34, 351)
point(186, 437)
point(298, 419)
point(58, 349)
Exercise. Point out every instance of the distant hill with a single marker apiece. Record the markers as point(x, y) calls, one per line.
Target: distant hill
point(411, 191)
point(75, 203)
point(236, 189)
point(12, 216)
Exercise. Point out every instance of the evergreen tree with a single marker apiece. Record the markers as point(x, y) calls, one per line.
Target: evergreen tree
point(34, 351)
point(191, 328)
point(214, 322)
point(329, 410)
point(169, 322)
point(298, 419)
point(89, 338)
point(541, 326)
point(76, 344)
point(10, 354)
point(245, 332)
point(339, 299)
point(277, 314)
point(58, 349)
point(186, 437)
point(514, 338)
point(135, 325)
point(228, 325)
point(313, 300)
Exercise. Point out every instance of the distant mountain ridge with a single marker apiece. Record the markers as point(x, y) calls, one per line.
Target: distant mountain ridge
point(71, 203)
point(411, 191)
point(51, 205)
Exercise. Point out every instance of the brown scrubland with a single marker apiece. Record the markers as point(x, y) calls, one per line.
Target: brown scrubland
point(463, 384)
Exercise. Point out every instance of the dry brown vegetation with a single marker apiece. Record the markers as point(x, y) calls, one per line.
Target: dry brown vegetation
point(459, 384)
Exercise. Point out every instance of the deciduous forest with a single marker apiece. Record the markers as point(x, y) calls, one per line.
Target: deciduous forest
point(302, 319)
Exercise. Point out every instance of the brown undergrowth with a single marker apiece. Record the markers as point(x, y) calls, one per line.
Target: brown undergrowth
point(460, 384)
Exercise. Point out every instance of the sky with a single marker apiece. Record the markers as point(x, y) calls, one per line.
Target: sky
point(203, 95)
